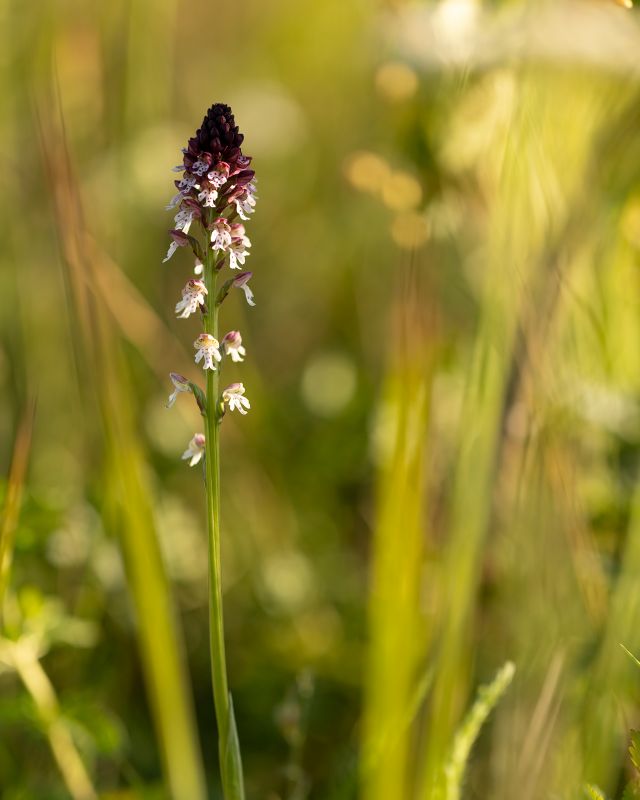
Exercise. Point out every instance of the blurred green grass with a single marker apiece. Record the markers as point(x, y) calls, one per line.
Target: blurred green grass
point(440, 469)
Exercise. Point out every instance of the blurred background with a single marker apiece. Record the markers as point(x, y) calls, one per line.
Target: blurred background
point(439, 473)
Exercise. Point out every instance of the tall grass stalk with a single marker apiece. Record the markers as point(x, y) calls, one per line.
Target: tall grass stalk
point(128, 504)
point(520, 226)
point(396, 643)
point(13, 500)
point(613, 669)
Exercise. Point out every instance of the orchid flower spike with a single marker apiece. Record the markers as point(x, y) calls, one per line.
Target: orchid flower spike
point(215, 190)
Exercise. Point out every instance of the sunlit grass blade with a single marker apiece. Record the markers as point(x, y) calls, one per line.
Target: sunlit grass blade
point(128, 502)
point(129, 508)
point(396, 639)
point(13, 499)
point(611, 672)
point(631, 656)
point(24, 659)
point(469, 519)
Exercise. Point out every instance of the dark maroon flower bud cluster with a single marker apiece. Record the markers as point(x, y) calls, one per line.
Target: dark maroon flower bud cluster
point(216, 182)
point(214, 158)
point(218, 136)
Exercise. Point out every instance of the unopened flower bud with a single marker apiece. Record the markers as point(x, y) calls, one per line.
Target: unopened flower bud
point(219, 136)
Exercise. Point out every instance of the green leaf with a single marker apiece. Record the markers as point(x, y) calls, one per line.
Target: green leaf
point(196, 247)
point(634, 749)
point(232, 774)
point(201, 398)
point(224, 291)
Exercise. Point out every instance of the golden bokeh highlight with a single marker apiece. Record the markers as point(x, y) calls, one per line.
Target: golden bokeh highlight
point(396, 81)
point(401, 192)
point(367, 172)
point(410, 231)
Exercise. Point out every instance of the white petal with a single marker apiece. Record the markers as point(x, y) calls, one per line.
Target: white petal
point(172, 249)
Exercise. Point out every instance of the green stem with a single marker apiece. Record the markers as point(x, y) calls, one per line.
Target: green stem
point(216, 626)
point(227, 740)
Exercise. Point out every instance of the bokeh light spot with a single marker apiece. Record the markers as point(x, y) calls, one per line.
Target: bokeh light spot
point(410, 230)
point(396, 81)
point(367, 172)
point(328, 384)
point(402, 192)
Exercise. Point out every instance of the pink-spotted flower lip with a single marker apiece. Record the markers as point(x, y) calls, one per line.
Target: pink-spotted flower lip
point(230, 239)
point(181, 384)
point(233, 395)
point(232, 342)
point(242, 282)
point(218, 177)
point(183, 219)
point(208, 196)
point(221, 236)
point(195, 449)
point(238, 251)
point(244, 198)
point(208, 349)
point(193, 296)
